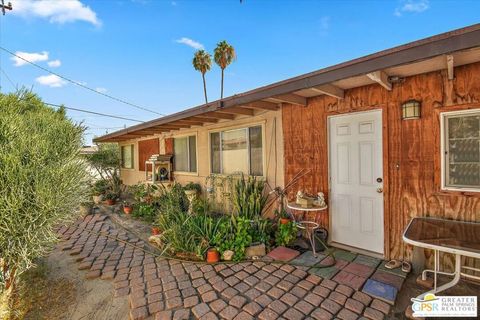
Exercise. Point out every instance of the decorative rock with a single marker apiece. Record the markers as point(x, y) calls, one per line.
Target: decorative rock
point(255, 251)
point(228, 255)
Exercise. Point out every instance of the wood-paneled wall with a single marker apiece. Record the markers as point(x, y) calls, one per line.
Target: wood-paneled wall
point(411, 149)
point(147, 148)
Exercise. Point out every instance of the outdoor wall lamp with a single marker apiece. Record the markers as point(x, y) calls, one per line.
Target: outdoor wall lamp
point(411, 110)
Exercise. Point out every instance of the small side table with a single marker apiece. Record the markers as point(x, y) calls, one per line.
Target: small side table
point(309, 226)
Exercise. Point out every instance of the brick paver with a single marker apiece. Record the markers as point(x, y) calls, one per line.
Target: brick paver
point(157, 288)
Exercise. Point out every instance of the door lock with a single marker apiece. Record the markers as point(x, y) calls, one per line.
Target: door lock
point(379, 180)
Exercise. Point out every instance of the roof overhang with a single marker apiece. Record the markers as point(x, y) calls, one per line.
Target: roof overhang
point(443, 51)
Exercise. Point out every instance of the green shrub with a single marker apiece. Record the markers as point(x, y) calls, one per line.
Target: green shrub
point(43, 180)
point(145, 211)
point(286, 233)
point(100, 187)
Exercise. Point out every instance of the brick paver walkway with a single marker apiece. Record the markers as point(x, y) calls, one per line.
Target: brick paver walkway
point(165, 289)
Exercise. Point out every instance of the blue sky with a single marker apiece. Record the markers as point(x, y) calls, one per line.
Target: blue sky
point(141, 50)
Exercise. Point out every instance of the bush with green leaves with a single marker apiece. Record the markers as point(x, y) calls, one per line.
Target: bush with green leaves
point(106, 162)
point(286, 233)
point(43, 180)
point(146, 211)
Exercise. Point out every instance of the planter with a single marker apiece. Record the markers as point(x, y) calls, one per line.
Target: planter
point(110, 202)
point(258, 250)
point(213, 256)
point(97, 199)
point(155, 231)
point(127, 209)
point(284, 220)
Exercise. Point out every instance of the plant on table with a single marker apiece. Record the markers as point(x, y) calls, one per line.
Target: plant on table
point(286, 233)
point(193, 187)
point(42, 181)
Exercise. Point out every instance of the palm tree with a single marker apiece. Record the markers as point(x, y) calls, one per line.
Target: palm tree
point(202, 61)
point(224, 54)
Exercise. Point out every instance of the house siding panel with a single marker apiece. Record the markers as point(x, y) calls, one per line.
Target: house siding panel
point(411, 149)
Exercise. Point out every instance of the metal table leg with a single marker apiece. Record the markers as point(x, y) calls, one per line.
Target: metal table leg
point(453, 282)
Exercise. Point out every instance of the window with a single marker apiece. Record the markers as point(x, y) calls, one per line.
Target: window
point(238, 150)
point(127, 156)
point(185, 154)
point(461, 150)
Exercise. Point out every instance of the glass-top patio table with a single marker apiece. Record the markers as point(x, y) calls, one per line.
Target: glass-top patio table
point(449, 236)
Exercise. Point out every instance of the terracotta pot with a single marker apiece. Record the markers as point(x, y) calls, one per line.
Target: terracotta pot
point(213, 256)
point(127, 209)
point(110, 202)
point(284, 220)
point(155, 231)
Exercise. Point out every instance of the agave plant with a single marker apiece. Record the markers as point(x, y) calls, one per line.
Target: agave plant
point(249, 198)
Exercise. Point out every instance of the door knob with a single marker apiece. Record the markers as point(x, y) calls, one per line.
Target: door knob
point(379, 180)
point(379, 190)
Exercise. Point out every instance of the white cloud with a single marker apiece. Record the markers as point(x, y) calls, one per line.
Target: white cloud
point(56, 11)
point(191, 43)
point(54, 63)
point(412, 6)
point(51, 80)
point(30, 56)
point(101, 90)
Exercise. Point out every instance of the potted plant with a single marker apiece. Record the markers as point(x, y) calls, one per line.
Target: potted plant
point(98, 190)
point(192, 188)
point(155, 231)
point(283, 216)
point(127, 207)
point(213, 256)
point(110, 198)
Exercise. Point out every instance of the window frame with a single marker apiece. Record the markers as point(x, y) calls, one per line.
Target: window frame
point(444, 149)
point(122, 162)
point(187, 135)
point(245, 127)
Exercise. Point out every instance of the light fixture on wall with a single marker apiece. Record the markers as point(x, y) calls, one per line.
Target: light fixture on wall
point(411, 110)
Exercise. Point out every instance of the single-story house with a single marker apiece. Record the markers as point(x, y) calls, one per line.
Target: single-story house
point(387, 137)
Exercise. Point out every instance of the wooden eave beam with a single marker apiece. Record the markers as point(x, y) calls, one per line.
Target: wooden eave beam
point(219, 115)
point(291, 98)
point(262, 105)
point(204, 119)
point(237, 110)
point(381, 78)
point(450, 67)
point(190, 122)
point(330, 90)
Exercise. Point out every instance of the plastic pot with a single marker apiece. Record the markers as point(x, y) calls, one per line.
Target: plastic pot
point(284, 220)
point(110, 202)
point(155, 231)
point(127, 209)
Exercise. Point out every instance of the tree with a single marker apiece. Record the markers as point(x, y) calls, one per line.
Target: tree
point(42, 181)
point(224, 55)
point(202, 61)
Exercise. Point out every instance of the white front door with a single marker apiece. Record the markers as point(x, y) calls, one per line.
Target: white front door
point(356, 180)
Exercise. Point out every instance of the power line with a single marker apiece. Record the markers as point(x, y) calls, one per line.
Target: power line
point(8, 78)
point(80, 84)
point(92, 112)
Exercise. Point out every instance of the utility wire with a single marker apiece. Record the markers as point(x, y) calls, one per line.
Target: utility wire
point(80, 84)
point(92, 112)
point(8, 78)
